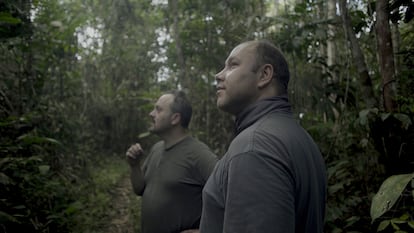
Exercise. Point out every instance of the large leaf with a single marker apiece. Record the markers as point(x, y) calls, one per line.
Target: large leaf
point(44, 169)
point(405, 120)
point(4, 179)
point(6, 17)
point(5, 218)
point(29, 139)
point(388, 194)
point(364, 115)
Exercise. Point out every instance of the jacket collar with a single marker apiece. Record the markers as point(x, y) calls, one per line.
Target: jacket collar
point(259, 109)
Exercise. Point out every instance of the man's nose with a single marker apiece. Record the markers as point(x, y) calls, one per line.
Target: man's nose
point(219, 76)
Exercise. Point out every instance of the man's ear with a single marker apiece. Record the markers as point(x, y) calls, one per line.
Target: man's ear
point(266, 75)
point(175, 118)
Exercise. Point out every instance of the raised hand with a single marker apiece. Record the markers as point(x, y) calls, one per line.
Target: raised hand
point(134, 154)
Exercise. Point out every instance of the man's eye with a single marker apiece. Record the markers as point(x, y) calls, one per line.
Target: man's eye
point(233, 65)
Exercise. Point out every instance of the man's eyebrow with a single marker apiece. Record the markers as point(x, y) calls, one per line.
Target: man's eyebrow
point(231, 59)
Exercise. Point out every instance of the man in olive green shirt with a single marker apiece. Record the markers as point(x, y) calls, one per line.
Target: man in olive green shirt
point(171, 178)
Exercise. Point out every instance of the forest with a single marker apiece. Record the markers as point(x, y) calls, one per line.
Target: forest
point(78, 79)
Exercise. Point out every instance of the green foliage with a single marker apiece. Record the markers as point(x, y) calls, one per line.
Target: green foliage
point(45, 196)
point(94, 196)
point(389, 193)
point(32, 195)
point(78, 79)
point(402, 224)
point(7, 18)
point(350, 185)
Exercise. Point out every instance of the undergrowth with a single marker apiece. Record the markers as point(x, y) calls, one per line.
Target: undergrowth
point(96, 193)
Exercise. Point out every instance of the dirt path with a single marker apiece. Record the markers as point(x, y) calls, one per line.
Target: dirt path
point(120, 219)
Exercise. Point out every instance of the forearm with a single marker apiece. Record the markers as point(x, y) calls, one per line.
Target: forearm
point(137, 180)
point(191, 231)
point(134, 157)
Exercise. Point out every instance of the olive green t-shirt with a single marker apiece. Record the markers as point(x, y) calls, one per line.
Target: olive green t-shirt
point(174, 179)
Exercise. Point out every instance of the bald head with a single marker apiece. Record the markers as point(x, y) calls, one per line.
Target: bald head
point(267, 53)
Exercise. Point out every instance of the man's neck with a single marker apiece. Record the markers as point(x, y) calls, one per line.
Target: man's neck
point(173, 138)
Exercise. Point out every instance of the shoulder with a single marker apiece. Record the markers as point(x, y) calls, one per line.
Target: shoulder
point(156, 150)
point(266, 137)
point(157, 146)
point(278, 128)
point(197, 144)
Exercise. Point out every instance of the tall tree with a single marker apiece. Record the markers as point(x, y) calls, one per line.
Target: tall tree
point(175, 31)
point(359, 58)
point(331, 53)
point(386, 55)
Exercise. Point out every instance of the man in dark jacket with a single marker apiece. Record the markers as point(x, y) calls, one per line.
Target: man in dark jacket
point(273, 177)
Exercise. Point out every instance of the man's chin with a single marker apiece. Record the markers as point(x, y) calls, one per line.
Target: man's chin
point(220, 103)
point(225, 108)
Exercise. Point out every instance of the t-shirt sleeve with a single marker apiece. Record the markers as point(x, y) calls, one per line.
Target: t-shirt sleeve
point(259, 195)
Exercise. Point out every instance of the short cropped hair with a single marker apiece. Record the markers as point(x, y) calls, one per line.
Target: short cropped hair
point(182, 106)
point(268, 53)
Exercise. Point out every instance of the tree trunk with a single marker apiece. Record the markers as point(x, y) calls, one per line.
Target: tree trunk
point(358, 56)
point(331, 55)
point(386, 56)
point(396, 40)
point(182, 72)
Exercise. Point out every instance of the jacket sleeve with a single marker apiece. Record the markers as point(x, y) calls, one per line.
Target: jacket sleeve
point(259, 195)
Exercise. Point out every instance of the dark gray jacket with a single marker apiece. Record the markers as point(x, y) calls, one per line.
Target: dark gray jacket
point(272, 178)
